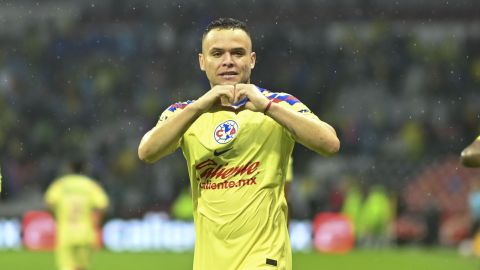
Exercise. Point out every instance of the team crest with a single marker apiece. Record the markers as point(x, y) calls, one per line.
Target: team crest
point(225, 132)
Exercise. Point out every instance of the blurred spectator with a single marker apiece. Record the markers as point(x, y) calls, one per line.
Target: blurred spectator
point(432, 216)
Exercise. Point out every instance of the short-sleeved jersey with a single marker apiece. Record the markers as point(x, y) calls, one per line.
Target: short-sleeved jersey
point(73, 199)
point(237, 163)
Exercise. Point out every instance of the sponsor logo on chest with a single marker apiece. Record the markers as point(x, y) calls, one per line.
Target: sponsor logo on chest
point(221, 174)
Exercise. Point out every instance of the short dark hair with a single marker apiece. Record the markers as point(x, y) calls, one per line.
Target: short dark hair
point(78, 165)
point(225, 23)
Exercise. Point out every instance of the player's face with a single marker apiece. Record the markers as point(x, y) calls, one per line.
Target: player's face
point(227, 56)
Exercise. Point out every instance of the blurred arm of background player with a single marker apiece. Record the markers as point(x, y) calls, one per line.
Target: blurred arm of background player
point(470, 156)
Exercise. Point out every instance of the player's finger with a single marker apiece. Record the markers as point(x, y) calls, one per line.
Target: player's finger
point(238, 98)
point(225, 101)
point(231, 94)
point(234, 100)
point(227, 95)
point(240, 94)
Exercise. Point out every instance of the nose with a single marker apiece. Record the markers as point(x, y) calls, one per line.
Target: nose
point(227, 60)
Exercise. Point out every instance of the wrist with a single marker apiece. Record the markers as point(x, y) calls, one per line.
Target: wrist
point(269, 104)
point(196, 108)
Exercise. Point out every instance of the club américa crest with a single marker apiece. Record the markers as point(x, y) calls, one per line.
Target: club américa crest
point(225, 132)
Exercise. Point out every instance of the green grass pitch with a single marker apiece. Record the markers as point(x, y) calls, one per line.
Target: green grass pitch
point(390, 259)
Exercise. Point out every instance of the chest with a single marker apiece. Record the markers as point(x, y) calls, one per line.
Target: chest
point(221, 130)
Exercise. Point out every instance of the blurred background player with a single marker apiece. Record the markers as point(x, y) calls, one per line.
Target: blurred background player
point(78, 204)
point(352, 205)
point(470, 156)
point(182, 207)
point(237, 140)
point(375, 219)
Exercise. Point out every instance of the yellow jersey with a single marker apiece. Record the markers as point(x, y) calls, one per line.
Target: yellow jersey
point(289, 176)
point(74, 198)
point(237, 163)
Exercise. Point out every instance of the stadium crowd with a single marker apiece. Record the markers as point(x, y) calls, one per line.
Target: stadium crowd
point(403, 95)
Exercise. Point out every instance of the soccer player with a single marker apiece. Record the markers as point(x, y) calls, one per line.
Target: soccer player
point(237, 139)
point(470, 156)
point(78, 203)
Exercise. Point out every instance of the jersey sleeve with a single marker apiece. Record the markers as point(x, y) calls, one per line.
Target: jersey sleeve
point(53, 193)
point(290, 102)
point(171, 112)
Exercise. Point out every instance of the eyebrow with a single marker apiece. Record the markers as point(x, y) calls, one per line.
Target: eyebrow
point(232, 50)
point(240, 49)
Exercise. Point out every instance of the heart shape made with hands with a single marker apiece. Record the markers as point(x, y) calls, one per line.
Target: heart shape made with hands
point(226, 102)
point(238, 104)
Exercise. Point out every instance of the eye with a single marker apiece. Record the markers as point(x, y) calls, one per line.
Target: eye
point(216, 53)
point(238, 52)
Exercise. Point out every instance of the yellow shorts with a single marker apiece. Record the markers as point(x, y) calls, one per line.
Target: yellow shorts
point(74, 257)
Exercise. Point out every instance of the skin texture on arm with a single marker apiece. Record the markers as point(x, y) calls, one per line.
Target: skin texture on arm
point(162, 139)
point(312, 133)
point(470, 156)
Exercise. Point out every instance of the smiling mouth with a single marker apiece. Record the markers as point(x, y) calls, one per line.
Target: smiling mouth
point(228, 75)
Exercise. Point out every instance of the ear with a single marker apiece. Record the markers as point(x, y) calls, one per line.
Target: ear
point(201, 61)
point(253, 58)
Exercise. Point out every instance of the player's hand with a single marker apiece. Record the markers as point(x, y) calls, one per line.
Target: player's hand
point(223, 94)
point(257, 102)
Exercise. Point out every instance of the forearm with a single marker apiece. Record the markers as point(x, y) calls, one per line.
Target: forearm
point(312, 133)
point(163, 138)
point(470, 156)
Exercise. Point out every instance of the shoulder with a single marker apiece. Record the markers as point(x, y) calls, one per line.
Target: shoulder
point(175, 108)
point(282, 98)
point(285, 99)
point(179, 105)
point(88, 181)
point(54, 185)
point(279, 97)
